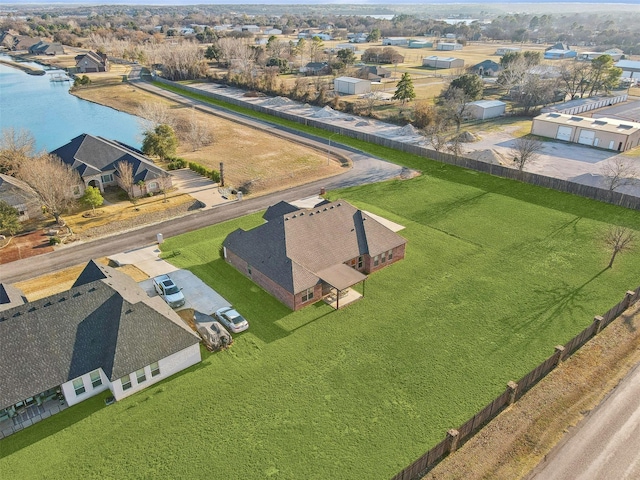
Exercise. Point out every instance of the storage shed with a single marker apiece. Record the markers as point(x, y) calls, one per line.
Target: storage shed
point(442, 62)
point(351, 85)
point(555, 54)
point(505, 50)
point(449, 46)
point(420, 44)
point(484, 109)
point(609, 133)
point(397, 41)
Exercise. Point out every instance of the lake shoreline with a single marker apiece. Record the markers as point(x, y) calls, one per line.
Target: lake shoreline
point(25, 68)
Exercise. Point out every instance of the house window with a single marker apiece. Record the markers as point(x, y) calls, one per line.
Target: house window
point(249, 269)
point(126, 382)
point(383, 257)
point(106, 178)
point(376, 260)
point(390, 254)
point(78, 386)
point(140, 376)
point(307, 295)
point(360, 261)
point(152, 186)
point(96, 380)
point(155, 369)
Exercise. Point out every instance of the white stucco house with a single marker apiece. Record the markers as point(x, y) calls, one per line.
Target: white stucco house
point(105, 333)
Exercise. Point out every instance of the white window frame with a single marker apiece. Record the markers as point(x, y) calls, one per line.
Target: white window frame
point(307, 295)
point(390, 255)
point(95, 382)
point(141, 376)
point(376, 260)
point(155, 369)
point(126, 382)
point(78, 386)
point(106, 177)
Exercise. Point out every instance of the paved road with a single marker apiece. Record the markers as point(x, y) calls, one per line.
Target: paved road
point(606, 445)
point(366, 169)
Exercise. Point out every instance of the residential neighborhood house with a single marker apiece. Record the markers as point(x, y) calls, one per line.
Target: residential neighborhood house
point(20, 196)
point(487, 68)
point(103, 334)
point(302, 255)
point(373, 73)
point(12, 41)
point(46, 48)
point(92, 62)
point(96, 159)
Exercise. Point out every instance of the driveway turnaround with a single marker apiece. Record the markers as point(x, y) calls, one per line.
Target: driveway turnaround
point(605, 445)
point(198, 295)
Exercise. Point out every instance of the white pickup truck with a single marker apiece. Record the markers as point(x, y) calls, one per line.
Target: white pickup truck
point(168, 290)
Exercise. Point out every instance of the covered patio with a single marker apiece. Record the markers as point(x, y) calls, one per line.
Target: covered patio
point(338, 279)
point(30, 411)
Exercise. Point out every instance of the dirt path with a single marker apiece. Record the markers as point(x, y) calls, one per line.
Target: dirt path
point(511, 445)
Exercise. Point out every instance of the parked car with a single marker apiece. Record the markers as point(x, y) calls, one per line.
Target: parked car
point(169, 291)
point(231, 319)
point(212, 332)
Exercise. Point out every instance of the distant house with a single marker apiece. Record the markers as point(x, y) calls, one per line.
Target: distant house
point(485, 109)
point(301, 255)
point(396, 41)
point(442, 62)
point(558, 46)
point(504, 50)
point(14, 42)
point(555, 54)
point(487, 68)
point(45, 48)
point(20, 196)
point(104, 334)
point(448, 46)
point(373, 73)
point(351, 85)
point(346, 46)
point(96, 160)
point(272, 31)
point(92, 62)
point(316, 68)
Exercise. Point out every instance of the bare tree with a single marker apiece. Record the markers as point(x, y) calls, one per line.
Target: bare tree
point(618, 239)
point(437, 136)
point(526, 149)
point(164, 182)
point(618, 173)
point(125, 172)
point(370, 101)
point(152, 114)
point(15, 147)
point(197, 133)
point(52, 181)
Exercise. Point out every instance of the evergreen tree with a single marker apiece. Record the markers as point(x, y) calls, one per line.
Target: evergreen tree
point(161, 142)
point(405, 91)
point(9, 222)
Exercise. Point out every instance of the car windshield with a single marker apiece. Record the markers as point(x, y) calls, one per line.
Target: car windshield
point(234, 317)
point(170, 290)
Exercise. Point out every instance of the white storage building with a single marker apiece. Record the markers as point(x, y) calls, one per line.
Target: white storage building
point(449, 46)
point(484, 109)
point(442, 62)
point(351, 85)
point(398, 41)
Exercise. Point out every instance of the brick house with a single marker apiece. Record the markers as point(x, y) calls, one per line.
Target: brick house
point(92, 62)
point(300, 256)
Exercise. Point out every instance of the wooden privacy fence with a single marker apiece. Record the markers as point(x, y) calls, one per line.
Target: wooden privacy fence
point(587, 191)
point(514, 391)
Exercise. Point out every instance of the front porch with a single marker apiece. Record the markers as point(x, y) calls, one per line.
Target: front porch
point(15, 419)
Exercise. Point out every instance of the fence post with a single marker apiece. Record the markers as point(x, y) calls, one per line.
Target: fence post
point(560, 354)
point(627, 298)
point(598, 320)
point(452, 436)
point(513, 390)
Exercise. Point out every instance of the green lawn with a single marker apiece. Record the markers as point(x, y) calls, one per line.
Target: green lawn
point(496, 274)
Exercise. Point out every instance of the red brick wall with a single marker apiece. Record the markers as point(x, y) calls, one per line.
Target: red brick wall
point(398, 254)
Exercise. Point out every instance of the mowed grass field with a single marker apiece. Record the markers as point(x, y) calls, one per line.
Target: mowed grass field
point(496, 274)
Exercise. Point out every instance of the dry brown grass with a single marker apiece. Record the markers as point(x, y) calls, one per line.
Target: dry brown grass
point(62, 280)
point(512, 444)
point(249, 155)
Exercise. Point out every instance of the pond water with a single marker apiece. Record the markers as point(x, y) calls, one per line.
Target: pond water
point(53, 115)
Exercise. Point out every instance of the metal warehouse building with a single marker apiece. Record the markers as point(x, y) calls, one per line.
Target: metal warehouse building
point(442, 62)
point(351, 85)
point(483, 109)
point(608, 133)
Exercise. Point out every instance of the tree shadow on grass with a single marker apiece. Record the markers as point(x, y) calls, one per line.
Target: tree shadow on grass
point(51, 425)
point(560, 301)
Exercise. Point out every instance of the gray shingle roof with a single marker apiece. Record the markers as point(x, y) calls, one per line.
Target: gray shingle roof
point(109, 323)
point(91, 155)
point(10, 296)
point(294, 248)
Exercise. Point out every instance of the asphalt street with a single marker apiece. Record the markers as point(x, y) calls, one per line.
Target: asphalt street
point(365, 169)
point(606, 445)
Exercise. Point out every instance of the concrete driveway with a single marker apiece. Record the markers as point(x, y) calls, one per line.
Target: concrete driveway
point(197, 294)
point(199, 187)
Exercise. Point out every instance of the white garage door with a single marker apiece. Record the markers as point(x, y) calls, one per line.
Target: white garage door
point(587, 137)
point(564, 133)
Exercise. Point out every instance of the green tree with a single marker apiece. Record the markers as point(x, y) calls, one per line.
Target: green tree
point(213, 52)
point(9, 223)
point(374, 35)
point(161, 141)
point(404, 91)
point(92, 197)
point(346, 56)
point(471, 84)
point(604, 75)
